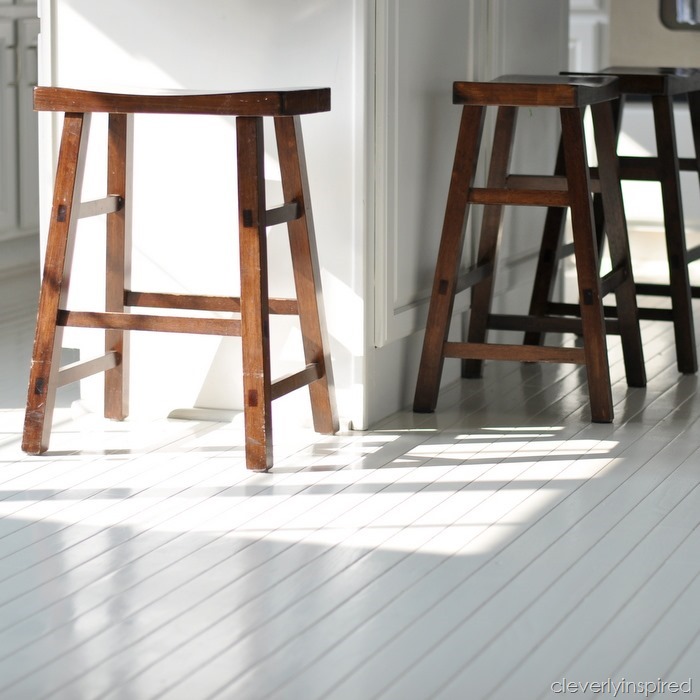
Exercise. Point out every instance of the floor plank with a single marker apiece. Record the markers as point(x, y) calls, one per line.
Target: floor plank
point(487, 550)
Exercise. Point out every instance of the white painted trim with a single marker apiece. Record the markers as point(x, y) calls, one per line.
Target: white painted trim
point(363, 196)
point(49, 122)
point(392, 321)
point(383, 248)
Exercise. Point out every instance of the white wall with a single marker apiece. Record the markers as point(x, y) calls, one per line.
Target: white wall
point(638, 38)
point(502, 36)
point(379, 165)
point(184, 210)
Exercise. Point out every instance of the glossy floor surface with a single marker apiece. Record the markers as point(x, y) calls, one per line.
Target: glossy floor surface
point(489, 550)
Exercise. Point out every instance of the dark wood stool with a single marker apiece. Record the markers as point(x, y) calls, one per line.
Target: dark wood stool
point(662, 86)
point(253, 305)
point(574, 191)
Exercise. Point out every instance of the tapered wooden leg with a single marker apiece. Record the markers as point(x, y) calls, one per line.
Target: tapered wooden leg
point(118, 264)
point(618, 242)
point(682, 310)
point(694, 109)
point(449, 258)
point(585, 250)
point(548, 259)
point(617, 107)
point(43, 377)
point(255, 313)
point(482, 293)
point(307, 278)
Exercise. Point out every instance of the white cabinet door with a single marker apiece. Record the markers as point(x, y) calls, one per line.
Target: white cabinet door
point(28, 165)
point(588, 35)
point(421, 48)
point(19, 197)
point(8, 129)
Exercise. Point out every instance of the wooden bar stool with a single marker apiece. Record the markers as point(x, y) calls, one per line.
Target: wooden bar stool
point(572, 190)
point(662, 86)
point(253, 305)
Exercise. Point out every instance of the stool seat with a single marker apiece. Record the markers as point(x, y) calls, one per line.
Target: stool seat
point(264, 103)
point(247, 315)
point(570, 188)
point(537, 90)
point(655, 81)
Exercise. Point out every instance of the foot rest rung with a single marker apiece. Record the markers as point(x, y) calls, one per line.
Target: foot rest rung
point(693, 254)
point(282, 214)
point(296, 380)
point(535, 324)
point(514, 353)
point(517, 197)
point(612, 325)
point(107, 205)
point(146, 322)
point(79, 370)
point(650, 313)
point(198, 302)
point(688, 165)
point(642, 168)
point(554, 183)
point(612, 280)
point(473, 276)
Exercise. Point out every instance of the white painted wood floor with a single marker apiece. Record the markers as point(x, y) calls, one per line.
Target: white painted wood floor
point(489, 550)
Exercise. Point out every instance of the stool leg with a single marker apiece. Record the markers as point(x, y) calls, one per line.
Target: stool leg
point(255, 313)
point(482, 293)
point(43, 377)
point(545, 275)
point(553, 235)
point(616, 227)
point(118, 264)
point(307, 278)
point(585, 249)
point(694, 109)
point(682, 310)
point(449, 259)
point(617, 107)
